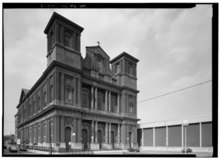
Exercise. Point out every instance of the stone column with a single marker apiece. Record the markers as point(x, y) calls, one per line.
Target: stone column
point(92, 97)
point(119, 128)
point(56, 129)
point(79, 85)
point(95, 97)
point(109, 133)
point(106, 132)
point(79, 130)
point(62, 129)
point(118, 104)
point(37, 133)
point(106, 100)
point(182, 138)
point(96, 131)
point(57, 87)
point(142, 137)
point(153, 136)
point(62, 85)
point(167, 135)
point(109, 102)
point(92, 132)
point(200, 134)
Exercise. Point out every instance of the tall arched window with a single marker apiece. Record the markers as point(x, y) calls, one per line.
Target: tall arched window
point(117, 68)
point(85, 98)
point(51, 93)
point(67, 38)
point(68, 90)
point(45, 98)
point(113, 103)
point(39, 105)
point(33, 109)
point(101, 101)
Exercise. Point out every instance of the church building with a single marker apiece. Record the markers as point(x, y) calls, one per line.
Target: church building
point(79, 103)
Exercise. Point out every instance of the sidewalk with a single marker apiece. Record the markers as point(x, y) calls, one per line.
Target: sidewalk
point(110, 152)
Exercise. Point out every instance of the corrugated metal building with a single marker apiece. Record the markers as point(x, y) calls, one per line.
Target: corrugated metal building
point(171, 134)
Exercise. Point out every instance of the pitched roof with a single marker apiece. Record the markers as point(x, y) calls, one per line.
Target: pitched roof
point(58, 16)
point(124, 54)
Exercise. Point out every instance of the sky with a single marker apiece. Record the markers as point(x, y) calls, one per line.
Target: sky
point(173, 46)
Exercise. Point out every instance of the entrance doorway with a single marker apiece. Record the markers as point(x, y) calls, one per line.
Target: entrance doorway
point(67, 138)
point(100, 139)
point(85, 139)
point(113, 139)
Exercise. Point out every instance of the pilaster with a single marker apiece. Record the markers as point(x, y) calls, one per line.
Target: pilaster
point(92, 97)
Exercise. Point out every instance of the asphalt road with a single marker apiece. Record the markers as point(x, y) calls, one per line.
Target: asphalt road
point(6, 152)
point(157, 153)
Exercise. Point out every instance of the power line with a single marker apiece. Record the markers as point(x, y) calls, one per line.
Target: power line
point(165, 94)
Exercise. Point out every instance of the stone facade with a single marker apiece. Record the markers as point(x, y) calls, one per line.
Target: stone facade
point(79, 103)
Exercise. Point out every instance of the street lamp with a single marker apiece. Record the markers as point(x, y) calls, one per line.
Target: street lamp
point(185, 124)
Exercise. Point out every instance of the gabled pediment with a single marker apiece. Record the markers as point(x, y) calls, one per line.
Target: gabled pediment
point(23, 94)
point(97, 60)
point(98, 51)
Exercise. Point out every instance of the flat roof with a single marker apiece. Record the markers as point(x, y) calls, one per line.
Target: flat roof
point(197, 119)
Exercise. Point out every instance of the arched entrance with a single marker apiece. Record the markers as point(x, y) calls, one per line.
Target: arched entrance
point(85, 138)
point(113, 139)
point(100, 138)
point(67, 138)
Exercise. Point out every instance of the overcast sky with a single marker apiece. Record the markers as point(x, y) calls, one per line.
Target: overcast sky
point(173, 46)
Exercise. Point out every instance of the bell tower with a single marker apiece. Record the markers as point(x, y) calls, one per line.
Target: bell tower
point(125, 70)
point(63, 41)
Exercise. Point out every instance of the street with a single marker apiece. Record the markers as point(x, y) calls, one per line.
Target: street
point(120, 152)
point(6, 152)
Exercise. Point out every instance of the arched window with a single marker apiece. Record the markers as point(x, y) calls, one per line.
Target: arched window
point(113, 103)
point(38, 107)
point(68, 91)
point(101, 101)
point(67, 38)
point(33, 109)
point(131, 104)
point(51, 93)
point(85, 98)
point(30, 109)
point(45, 98)
point(130, 68)
point(117, 68)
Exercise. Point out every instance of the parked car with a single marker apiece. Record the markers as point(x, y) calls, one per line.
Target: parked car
point(188, 150)
point(23, 148)
point(133, 150)
point(13, 148)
